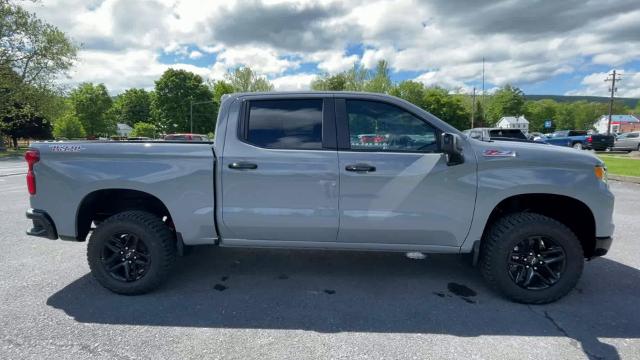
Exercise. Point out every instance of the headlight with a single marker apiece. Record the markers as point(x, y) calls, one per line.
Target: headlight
point(601, 172)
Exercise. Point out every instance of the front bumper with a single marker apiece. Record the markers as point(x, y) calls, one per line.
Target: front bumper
point(43, 226)
point(602, 246)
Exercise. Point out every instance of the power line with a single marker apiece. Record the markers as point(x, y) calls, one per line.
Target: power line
point(613, 77)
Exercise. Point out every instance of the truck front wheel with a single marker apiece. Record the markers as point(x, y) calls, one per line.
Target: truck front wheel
point(131, 252)
point(531, 258)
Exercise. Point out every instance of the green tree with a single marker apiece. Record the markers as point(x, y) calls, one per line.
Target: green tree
point(32, 55)
point(507, 101)
point(90, 104)
point(537, 112)
point(143, 129)
point(68, 126)
point(356, 78)
point(243, 79)
point(220, 88)
point(132, 106)
point(326, 82)
point(37, 51)
point(23, 121)
point(446, 107)
point(410, 90)
point(380, 80)
point(171, 104)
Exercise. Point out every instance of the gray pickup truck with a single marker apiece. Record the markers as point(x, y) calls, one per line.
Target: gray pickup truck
point(326, 170)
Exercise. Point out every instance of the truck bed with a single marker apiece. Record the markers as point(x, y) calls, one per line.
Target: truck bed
point(178, 173)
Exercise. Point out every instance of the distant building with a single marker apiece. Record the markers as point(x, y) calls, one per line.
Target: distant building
point(123, 130)
point(619, 124)
point(513, 122)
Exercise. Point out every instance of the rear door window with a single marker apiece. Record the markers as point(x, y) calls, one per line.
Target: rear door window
point(285, 124)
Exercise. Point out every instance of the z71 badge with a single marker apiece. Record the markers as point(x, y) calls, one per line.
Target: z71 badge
point(66, 148)
point(499, 153)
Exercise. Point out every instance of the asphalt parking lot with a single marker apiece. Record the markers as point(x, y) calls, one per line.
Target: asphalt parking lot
point(256, 304)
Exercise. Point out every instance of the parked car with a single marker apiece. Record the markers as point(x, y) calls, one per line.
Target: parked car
point(627, 142)
point(286, 171)
point(499, 134)
point(581, 139)
point(186, 137)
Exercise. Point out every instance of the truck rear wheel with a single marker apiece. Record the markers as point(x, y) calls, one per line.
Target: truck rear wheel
point(131, 252)
point(531, 258)
point(577, 146)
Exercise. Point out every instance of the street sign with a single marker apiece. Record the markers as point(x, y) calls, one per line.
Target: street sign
point(548, 124)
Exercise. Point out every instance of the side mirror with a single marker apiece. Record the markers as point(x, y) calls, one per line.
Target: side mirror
point(450, 145)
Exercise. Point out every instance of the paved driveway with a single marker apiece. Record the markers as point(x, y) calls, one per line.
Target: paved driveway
point(243, 304)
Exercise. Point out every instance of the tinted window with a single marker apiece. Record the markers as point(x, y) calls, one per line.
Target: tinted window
point(286, 124)
point(379, 127)
point(633, 135)
point(577, 133)
point(506, 133)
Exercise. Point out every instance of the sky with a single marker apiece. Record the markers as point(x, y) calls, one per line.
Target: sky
point(556, 47)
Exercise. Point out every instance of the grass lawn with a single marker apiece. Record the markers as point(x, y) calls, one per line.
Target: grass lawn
point(620, 165)
point(12, 153)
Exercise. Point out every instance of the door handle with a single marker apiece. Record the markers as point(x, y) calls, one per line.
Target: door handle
point(360, 168)
point(243, 166)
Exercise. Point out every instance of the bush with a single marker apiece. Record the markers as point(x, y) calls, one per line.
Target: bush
point(69, 127)
point(143, 129)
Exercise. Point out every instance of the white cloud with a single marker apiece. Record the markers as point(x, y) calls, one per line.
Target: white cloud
point(195, 54)
point(594, 84)
point(125, 69)
point(332, 61)
point(300, 81)
point(444, 41)
point(264, 61)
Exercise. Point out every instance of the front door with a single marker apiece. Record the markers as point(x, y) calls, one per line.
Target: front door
point(396, 188)
point(280, 173)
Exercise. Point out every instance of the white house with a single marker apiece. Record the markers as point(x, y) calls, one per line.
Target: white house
point(513, 122)
point(619, 123)
point(123, 130)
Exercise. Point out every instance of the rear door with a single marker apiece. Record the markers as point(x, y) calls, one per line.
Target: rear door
point(280, 172)
point(399, 192)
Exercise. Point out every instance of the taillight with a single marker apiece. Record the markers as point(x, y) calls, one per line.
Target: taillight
point(589, 139)
point(32, 156)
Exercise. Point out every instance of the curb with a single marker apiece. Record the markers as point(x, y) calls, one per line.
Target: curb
point(630, 179)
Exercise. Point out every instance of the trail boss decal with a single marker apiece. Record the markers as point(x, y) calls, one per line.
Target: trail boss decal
point(499, 153)
point(65, 148)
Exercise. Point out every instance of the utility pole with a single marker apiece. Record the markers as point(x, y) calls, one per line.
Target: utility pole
point(613, 77)
point(191, 116)
point(484, 113)
point(473, 106)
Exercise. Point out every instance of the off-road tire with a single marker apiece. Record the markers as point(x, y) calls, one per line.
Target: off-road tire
point(158, 239)
point(508, 231)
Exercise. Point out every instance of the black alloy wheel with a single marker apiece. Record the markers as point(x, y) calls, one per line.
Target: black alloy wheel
point(126, 257)
point(536, 263)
